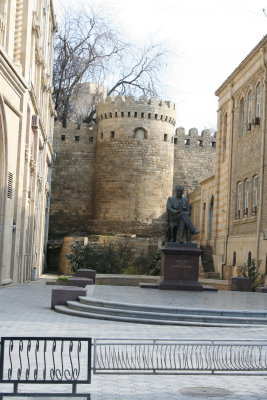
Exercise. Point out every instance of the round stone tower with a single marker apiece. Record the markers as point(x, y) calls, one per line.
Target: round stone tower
point(134, 165)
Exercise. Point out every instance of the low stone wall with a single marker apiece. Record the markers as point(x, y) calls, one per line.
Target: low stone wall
point(140, 245)
point(64, 266)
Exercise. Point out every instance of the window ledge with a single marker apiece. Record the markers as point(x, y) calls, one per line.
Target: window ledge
point(245, 219)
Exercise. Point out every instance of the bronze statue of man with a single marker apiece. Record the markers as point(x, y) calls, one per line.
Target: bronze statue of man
point(178, 209)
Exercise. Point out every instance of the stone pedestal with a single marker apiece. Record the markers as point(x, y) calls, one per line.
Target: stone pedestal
point(241, 284)
point(86, 273)
point(179, 267)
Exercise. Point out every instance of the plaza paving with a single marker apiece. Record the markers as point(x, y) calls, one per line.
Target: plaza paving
point(25, 310)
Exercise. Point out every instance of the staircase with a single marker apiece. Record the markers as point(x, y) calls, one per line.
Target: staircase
point(207, 264)
point(206, 258)
point(136, 313)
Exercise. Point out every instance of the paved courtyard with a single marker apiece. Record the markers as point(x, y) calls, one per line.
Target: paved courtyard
point(25, 310)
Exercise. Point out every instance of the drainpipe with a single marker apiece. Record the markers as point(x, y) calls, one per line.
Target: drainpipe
point(264, 102)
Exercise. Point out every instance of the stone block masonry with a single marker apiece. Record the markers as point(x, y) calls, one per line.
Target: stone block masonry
point(72, 179)
point(194, 157)
point(134, 165)
point(115, 177)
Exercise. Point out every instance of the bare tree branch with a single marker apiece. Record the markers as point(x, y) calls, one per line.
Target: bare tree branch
point(87, 49)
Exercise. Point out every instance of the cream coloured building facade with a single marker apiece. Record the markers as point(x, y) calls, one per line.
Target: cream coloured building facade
point(233, 202)
point(26, 126)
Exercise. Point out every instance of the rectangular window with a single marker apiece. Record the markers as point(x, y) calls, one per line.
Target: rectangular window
point(165, 137)
point(63, 137)
point(77, 138)
point(112, 135)
point(241, 118)
point(246, 192)
point(91, 139)
point(255, 194)
point(238, 200)
point(249, 108)
point(258, 101)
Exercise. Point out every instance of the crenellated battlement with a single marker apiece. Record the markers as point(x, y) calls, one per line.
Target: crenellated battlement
point(194, 156)
point(141, 100)
point(207, 138)
point(74, 136)
point(142, 108)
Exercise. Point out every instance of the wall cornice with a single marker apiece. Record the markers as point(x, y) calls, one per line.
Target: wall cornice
point(8, 70)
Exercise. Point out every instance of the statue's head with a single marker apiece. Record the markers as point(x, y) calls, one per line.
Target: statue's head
point(179, 190)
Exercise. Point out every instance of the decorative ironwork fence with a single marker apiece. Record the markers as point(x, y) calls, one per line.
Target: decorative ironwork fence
point(29, 360)
point(169, 356)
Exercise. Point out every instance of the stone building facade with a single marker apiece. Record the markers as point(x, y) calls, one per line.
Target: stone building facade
point(237, 199)
point(26, 128)
point(115, 176)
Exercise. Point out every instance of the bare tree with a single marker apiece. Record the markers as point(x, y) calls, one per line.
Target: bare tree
point(88, 49)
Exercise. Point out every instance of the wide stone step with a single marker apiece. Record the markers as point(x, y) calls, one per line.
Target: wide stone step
point(78, 313)
point(173, 310)
point(149, 315)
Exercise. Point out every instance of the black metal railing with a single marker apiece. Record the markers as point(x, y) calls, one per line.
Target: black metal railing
point(42, 360)
point(174, 356)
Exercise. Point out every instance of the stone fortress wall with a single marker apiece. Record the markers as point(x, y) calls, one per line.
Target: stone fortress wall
point(134, 164)
point(72, 178)
point(116, 177)
point(194, 157)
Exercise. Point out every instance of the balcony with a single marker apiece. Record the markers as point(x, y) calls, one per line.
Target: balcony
point(2, 30)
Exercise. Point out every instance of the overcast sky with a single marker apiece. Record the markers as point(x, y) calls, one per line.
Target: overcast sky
point(209, 39)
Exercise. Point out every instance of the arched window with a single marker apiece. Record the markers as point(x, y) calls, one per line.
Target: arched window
point(249, 110)
point(234, 258)
point(210, 217)
point(3, 8)
point(249, 257)
point(4, 16)
point(140, 133)
point(224, 136)
point(255, 194)
point(246, 194)
point(238, 199)
point(258, 103)
point(241, 118)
